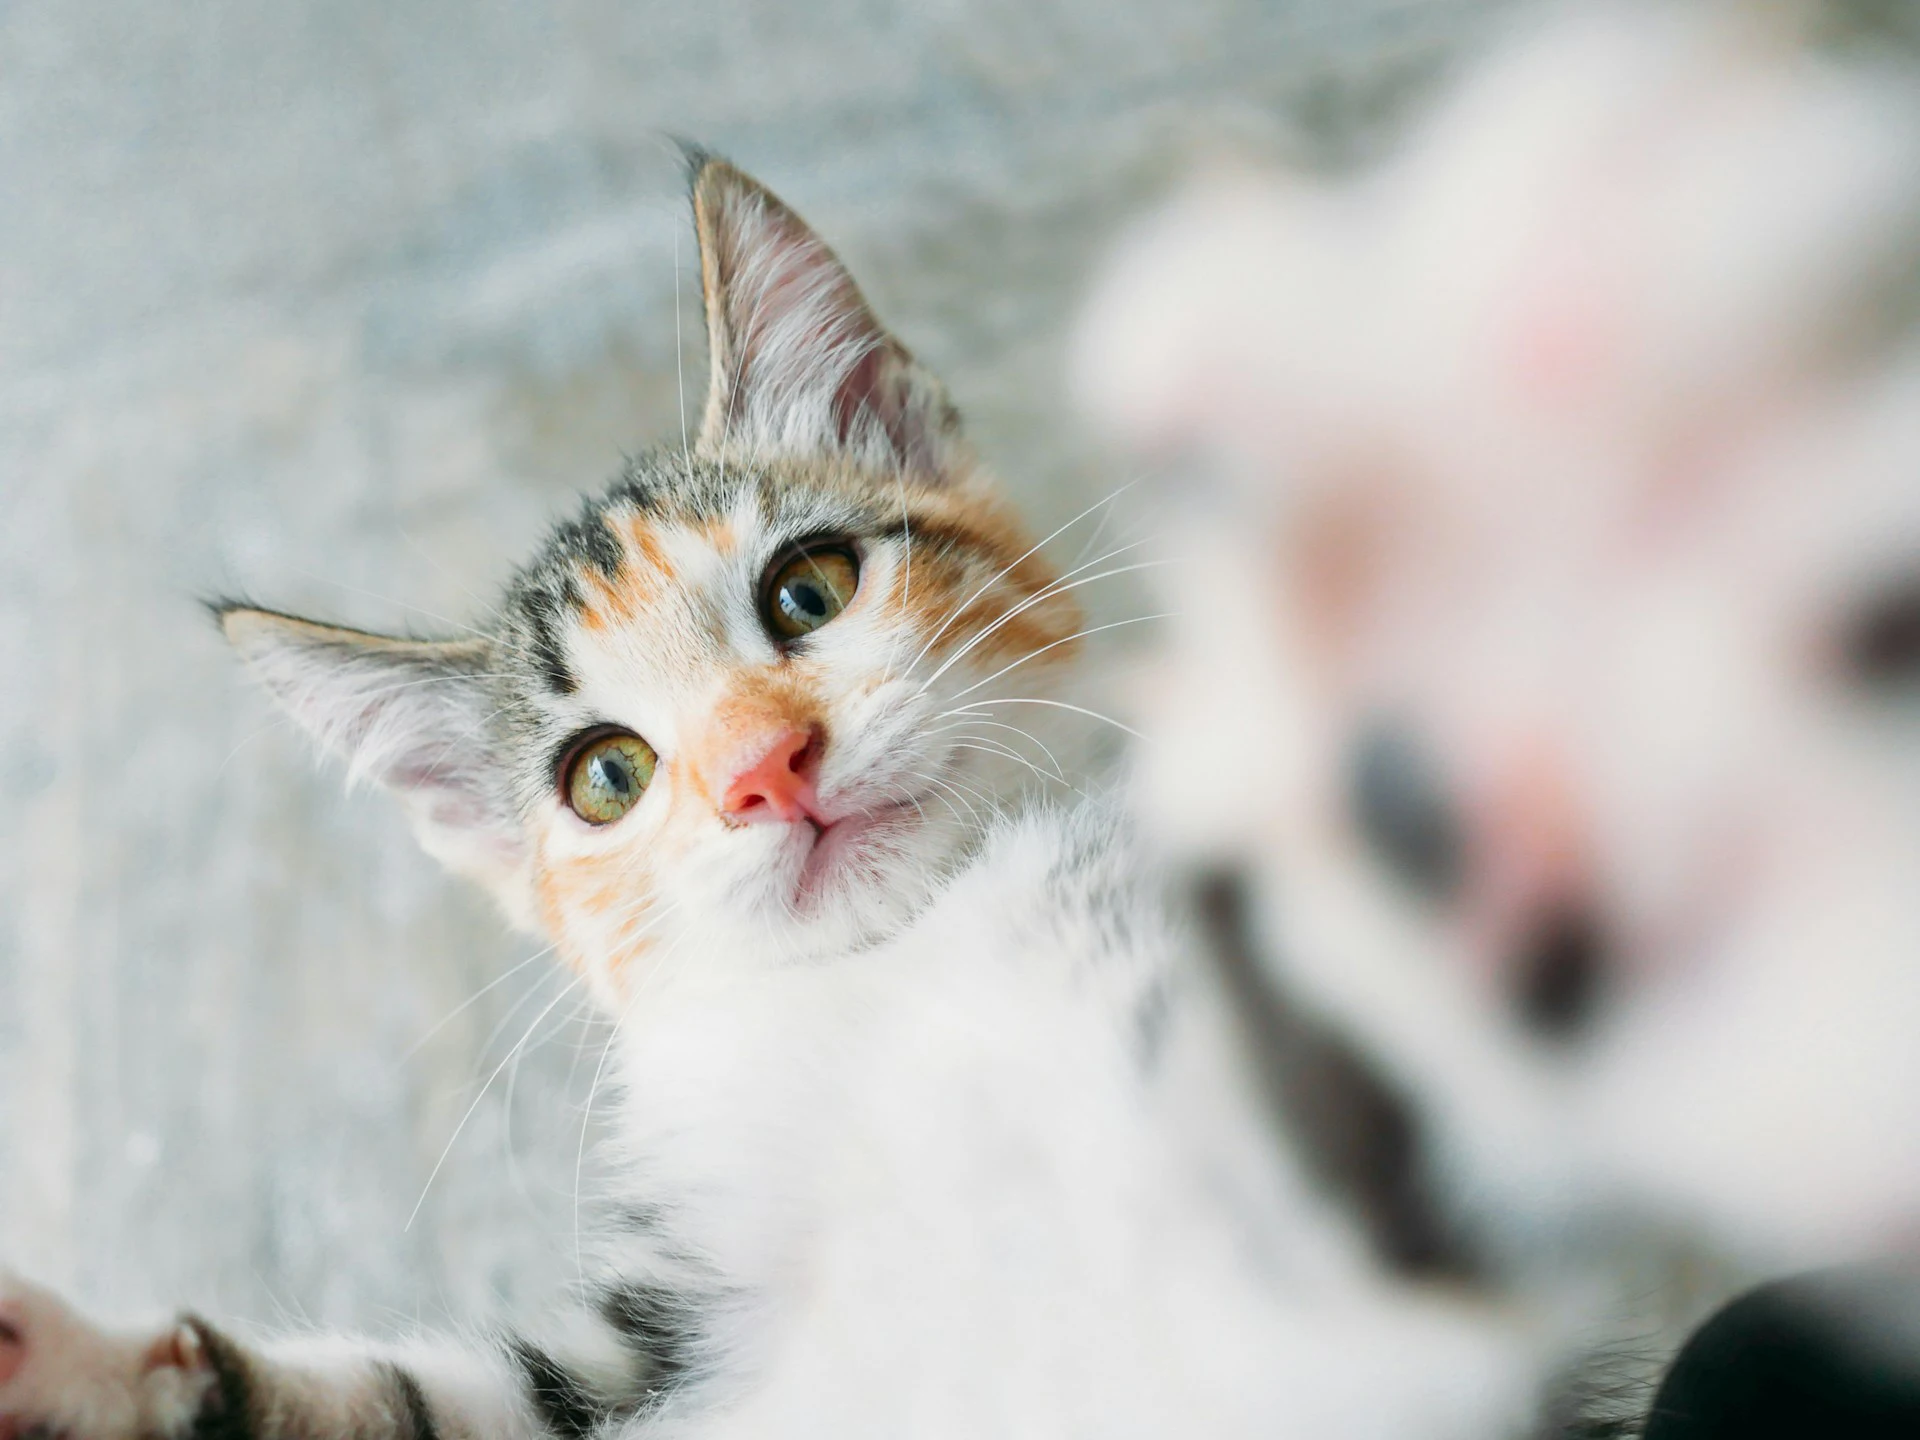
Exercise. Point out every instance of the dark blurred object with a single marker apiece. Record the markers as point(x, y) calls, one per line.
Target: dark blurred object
point(1348, 1124)
point(1402, 810)
point(1833, 1355)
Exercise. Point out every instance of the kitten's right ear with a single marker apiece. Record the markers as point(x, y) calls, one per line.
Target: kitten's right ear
point(408, 715)
point(797, 361)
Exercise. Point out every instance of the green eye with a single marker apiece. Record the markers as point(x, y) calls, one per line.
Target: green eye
point(807, 589)
point(606, 776)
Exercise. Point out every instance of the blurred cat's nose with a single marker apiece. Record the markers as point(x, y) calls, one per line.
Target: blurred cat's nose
point(1506, 856)
point(779, 784)
point(1560, 975)
point(1531, 903)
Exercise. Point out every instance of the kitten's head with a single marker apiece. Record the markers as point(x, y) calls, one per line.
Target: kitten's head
point(742, 706)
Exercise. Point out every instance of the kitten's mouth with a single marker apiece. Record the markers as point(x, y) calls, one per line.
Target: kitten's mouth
point(849, 841)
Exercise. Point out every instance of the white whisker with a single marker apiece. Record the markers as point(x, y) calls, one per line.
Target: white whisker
point(451, 1015)
point(991, 747)
point(1052, 759)
point(943, 784)
point(1008, 568)
point(582, 1006)
point(1058, 587)
point(1054, 645)
point(455, 1137)
point(1035, 700)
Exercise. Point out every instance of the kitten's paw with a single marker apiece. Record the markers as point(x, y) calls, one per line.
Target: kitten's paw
point(64, 1378)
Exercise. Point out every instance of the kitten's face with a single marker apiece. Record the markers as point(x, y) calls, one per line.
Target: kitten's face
point(750, 705)
point(781, 639)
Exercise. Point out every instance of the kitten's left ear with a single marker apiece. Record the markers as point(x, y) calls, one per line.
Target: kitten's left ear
point(411, 716)
point(799, 365)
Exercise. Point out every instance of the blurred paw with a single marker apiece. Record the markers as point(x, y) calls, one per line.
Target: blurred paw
point(64, 1378)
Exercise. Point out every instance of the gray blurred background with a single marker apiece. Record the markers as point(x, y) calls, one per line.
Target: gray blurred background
point(333, 303)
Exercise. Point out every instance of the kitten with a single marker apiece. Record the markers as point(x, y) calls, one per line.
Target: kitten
point(1561, 535)
point(929, 1126)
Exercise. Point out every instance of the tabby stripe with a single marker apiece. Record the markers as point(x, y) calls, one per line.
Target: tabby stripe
point(414, 1410)
point(653, 1320)
point(227, 1412)
point(1358, 1134)
point(564, 1402)
point(542, 612)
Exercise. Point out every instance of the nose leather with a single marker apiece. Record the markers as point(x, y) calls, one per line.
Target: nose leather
point(778, 786)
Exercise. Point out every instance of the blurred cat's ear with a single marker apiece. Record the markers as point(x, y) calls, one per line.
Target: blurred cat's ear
point(799, 365)
point(408, 715)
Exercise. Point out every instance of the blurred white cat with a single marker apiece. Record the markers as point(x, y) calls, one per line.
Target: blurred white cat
point(1561, 554)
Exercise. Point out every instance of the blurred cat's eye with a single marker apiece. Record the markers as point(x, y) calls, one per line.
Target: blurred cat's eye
point(1883, 639)
point(806, 588)
point(606, 775)
point(1402, 811)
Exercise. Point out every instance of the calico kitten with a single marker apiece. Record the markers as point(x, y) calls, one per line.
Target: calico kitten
point(929, 1126)
point(748, 706)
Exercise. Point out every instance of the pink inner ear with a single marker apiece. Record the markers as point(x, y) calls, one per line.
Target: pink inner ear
point(782, 276)
point(807, 362)
point(862, 390)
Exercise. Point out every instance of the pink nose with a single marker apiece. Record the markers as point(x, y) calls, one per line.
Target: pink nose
point(779, 785)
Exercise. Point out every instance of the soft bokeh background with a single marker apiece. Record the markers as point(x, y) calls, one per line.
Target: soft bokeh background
point(334, 303)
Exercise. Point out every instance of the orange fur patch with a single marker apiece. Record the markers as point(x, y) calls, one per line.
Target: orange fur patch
point(761, 705)
point(595, 908)
point(646, 574)
point(984, 598)
point(600, 910)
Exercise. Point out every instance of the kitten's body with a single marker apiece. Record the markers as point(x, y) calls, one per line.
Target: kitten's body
point(928, 1123)
point(995, 1176)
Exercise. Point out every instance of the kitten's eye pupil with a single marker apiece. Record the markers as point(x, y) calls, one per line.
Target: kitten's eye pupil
point(612, 774)
point(803, 603)
point(807, 589)
point(606, 776)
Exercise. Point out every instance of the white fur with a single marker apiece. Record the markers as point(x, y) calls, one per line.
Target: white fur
point(965, 1203)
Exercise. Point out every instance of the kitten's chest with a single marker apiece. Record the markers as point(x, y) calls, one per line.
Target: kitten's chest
point(937, 1099)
